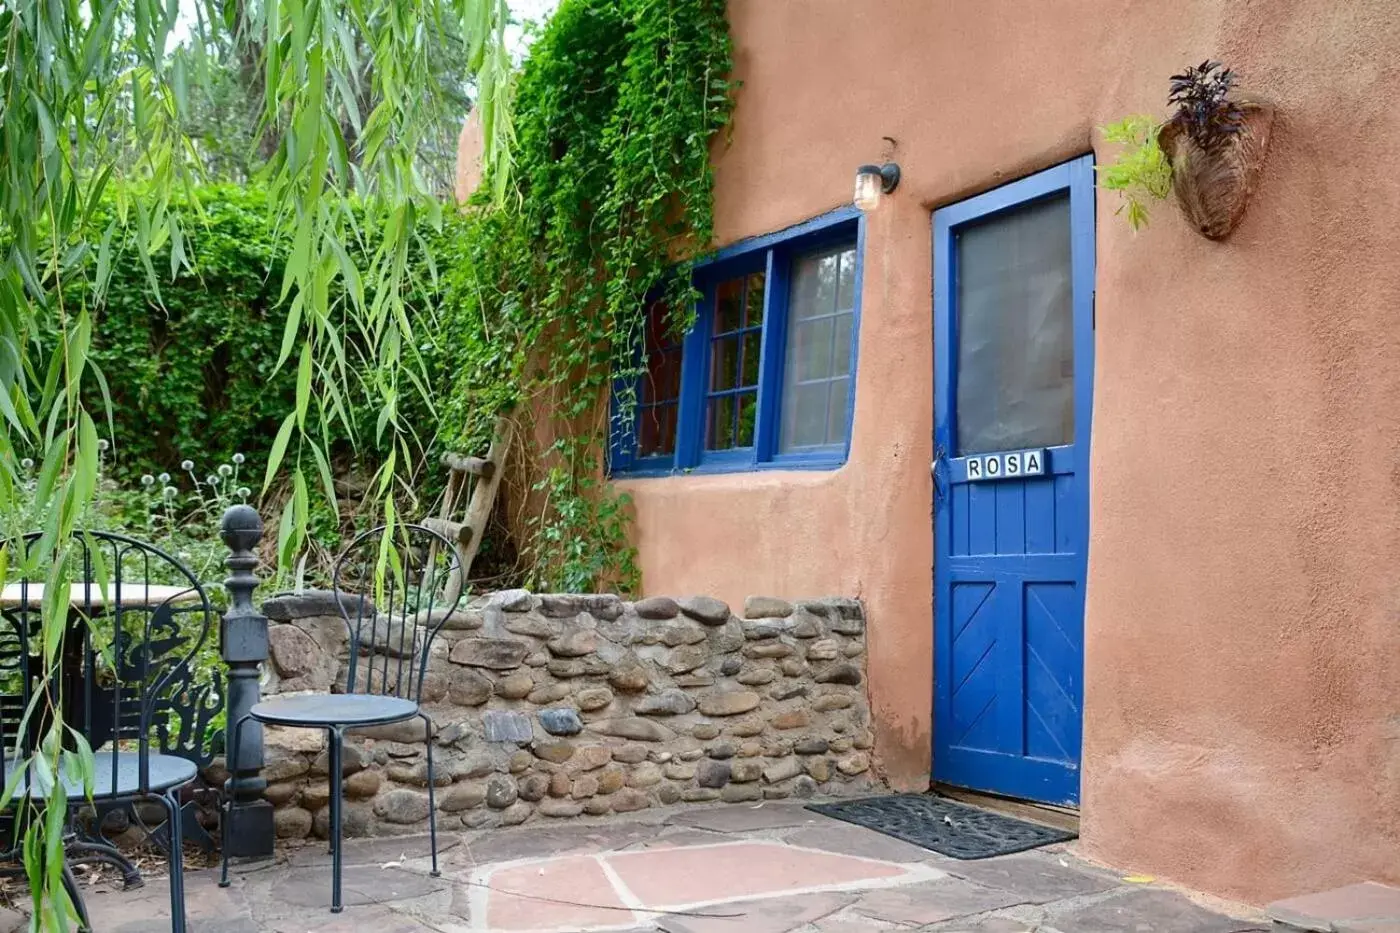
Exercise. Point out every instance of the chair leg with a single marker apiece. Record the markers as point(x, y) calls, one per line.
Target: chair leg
point(337, 779)
point(171, 799)
point(75, 894)
point(432, 784)
point(226, 812)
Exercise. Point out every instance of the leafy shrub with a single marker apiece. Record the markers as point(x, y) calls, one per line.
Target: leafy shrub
point(189, 353)
point(1141, 173)
point(190, 369)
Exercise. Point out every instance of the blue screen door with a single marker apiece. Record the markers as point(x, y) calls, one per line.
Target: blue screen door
point(1013, 380)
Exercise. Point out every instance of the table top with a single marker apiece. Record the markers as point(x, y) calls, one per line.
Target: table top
point(92, 594)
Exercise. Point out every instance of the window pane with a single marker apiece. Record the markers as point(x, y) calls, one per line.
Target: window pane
point(657, 431)
point(846, 286)
point(729, 306)
point(818, 296)
point(811, 349)
point(804, 420)
point(724, 365)
point(841, 347)
point(655, 324)
point(753, 348)
point(662, 381)
point(753, 306)
point(720, 432)
point(748, 416)
point(836, 412)
point(1015, 377)
point(816, 375)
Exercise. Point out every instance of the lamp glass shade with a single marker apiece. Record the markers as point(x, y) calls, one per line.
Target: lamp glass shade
point(869, 188)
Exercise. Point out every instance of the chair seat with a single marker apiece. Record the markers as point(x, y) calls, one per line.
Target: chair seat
point(166, 771)
point(334, 709)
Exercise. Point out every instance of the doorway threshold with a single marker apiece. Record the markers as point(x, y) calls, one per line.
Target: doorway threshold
point(1065, 818)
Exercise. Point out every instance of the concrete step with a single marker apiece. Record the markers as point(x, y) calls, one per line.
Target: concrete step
point(1356, 908)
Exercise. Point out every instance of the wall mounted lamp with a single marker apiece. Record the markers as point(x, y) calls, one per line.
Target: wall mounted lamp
point(873, 181)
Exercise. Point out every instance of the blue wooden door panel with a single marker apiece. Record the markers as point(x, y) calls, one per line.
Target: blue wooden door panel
point(1010, 554)
point(1054, 683)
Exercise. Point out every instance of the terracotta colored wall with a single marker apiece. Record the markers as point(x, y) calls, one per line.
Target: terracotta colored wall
point(1242, 727)
point(1243, 662)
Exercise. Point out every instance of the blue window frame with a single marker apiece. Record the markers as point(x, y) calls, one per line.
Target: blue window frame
point(766, 377)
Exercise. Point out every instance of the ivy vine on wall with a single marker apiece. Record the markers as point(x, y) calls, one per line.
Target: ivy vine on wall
point(542, 298)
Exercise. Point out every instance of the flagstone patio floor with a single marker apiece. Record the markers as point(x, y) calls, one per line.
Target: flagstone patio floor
point(774, 868)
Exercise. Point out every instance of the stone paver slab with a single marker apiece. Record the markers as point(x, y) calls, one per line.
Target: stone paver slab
point(207, 906)
point(843, 923)
point(360, 885)
point(834, 836)
point(573, 893)
point(513, 845)
point(990, 925)
point(681, 837)
point(932, 903)
point(376, 919)
point(773, 915)
point(748, 819)
point(704, 874)
point(1038, 879)
point(1356, 903)
point(371, 851)
point(1143, 911)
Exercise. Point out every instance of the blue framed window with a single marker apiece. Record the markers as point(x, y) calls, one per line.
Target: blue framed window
point(766, 377)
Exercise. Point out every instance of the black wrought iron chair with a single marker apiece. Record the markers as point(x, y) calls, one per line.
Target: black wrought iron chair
point(131, 679)
point(403, 570)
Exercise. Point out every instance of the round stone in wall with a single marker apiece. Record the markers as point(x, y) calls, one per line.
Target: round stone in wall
point(766, 607)
point(711, 773)
point(402, 806)
point(657, 607)
point(705, 609)
point(666, 703)
point(500, 793)
point(729, 703)
point(562, 720)
point(594, 698)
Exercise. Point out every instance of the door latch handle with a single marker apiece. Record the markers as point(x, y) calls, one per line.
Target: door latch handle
point(940, 461)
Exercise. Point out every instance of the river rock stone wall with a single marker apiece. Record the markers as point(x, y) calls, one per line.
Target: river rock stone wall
point(555, 706)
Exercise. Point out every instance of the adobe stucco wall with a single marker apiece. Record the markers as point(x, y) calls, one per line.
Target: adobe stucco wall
point(1242, 727)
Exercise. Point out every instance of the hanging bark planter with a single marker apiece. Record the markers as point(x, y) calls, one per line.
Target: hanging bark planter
point(1210, 152)
point(1214, 176)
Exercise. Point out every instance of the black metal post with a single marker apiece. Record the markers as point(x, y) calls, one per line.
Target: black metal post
point(243, 644)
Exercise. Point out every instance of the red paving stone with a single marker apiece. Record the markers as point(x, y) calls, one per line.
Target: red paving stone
point(698, 875)
point(577, 879)
point(671, 878)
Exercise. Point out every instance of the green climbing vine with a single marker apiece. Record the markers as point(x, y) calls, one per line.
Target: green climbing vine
point(541, 311)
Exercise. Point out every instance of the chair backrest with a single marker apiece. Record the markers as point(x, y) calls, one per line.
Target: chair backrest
point(392, 586)
point(137, 666)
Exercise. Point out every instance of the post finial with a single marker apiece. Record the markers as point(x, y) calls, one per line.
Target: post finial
point(241, 527)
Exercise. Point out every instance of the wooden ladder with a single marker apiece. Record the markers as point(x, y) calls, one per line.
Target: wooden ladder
point(466, 535)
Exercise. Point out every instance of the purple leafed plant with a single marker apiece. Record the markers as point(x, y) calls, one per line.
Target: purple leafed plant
point(1203, 106)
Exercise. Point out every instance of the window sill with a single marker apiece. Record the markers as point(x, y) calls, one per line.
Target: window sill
point(813, 462)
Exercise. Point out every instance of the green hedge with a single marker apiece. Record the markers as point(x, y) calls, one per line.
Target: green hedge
point(191, 375)
point(192, 372)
